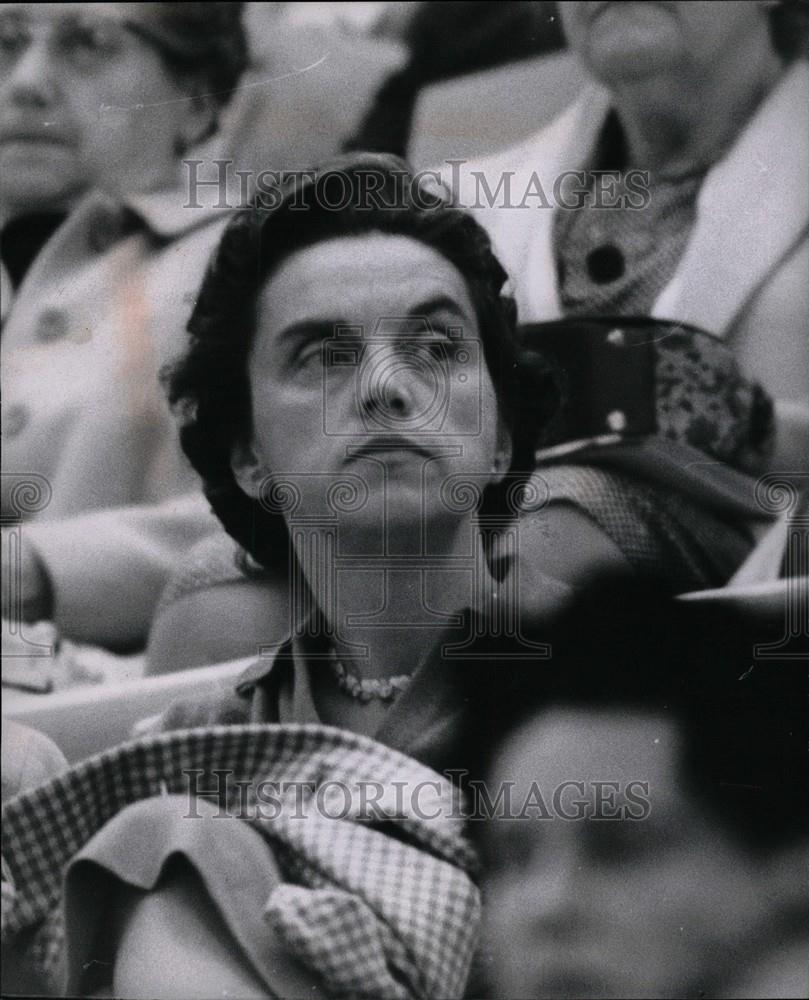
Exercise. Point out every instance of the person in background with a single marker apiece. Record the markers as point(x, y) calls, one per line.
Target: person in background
point(656, 842)
point(709, 106)
point(101, 260)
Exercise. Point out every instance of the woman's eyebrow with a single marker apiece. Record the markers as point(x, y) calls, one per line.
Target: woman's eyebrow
point(311, 329)
point(439, 303)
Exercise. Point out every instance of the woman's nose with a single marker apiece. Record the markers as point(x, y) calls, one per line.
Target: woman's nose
point(31, 80)
point(552, 896)
point(387, 387)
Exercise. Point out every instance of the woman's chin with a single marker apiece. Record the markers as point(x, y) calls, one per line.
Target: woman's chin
point(633, 50)
point(409, 514)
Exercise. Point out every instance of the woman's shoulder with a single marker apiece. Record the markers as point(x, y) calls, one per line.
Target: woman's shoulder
point(214, 560)
point(617, 500)
point(216, 606)
point(656, 529)
point(29, 757)
point(221, 707)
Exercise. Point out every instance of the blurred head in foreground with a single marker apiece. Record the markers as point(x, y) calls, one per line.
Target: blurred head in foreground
point(657, 801)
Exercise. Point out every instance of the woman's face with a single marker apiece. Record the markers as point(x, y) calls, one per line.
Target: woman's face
point(84, 102)
point(631, 41)
point(624, 887)
point(367, 369)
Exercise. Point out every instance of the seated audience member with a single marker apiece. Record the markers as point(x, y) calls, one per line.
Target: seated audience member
point(696, 408)
point(656, 842)
point(101, 259)
point(699, 114)
point(327, 440)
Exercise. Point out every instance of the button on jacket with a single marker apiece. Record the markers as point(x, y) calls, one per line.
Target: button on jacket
point(742, 275)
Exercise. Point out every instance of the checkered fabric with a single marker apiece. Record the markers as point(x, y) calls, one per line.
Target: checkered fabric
point(380, 900)
point(648, 243)
point(658, 531)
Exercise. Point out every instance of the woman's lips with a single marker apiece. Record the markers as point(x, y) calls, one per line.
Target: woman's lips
point(401, 455)
point(595, 10)
point(388, 446)
point(33, 136)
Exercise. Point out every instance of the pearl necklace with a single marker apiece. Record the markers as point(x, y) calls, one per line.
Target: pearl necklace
point(364, 689)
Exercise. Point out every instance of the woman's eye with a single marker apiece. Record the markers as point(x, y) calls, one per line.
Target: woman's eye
point(436, 348)
point(308, 356)
point(85, 44)
point(617, 842)
point(12, 39)
point(311, 358)
point(511, 854)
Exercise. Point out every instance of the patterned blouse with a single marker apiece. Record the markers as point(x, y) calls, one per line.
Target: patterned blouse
point(618, 260)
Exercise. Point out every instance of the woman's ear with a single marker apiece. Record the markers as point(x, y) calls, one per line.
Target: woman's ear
point(248, 469)
point(200, 122)
point(504, 453)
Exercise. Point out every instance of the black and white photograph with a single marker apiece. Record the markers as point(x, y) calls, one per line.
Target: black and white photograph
point(405, 499)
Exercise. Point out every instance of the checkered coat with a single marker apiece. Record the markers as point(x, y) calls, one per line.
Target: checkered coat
point(379, 900)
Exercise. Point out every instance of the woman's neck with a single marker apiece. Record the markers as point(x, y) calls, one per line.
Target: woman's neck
point(386, 613)
point(673, 127)
point(154, 178)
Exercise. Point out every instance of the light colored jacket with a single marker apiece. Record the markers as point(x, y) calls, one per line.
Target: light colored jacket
point(743, 275)
point(102, 308)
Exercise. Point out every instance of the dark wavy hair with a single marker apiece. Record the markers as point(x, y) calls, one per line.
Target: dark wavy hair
point(354, 195)
point(789, 28)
